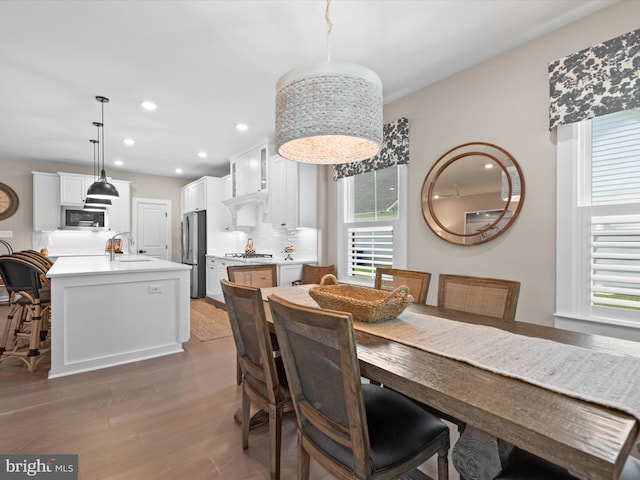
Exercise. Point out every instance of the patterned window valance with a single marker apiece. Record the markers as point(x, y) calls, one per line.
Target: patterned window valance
point(596, 81)
point(394, 151)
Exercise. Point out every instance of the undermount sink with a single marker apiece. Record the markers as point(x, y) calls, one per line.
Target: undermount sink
point(130, 260)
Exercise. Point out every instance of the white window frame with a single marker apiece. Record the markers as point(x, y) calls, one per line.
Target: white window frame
point(573, 241)
point(345, 193)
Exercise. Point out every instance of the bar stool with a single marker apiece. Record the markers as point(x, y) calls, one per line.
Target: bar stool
point(28, 313)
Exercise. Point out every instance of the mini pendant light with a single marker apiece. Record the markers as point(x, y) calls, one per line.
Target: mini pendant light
point(329, 112)
point(96, 204)
point(102, 188)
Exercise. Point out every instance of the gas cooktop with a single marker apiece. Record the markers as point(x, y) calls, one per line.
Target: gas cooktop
point(248, 255)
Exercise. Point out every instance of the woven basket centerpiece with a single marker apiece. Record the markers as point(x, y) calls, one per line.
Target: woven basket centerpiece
point(365, 304)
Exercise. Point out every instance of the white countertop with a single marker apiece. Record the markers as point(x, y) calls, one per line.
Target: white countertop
point(100, 265)
point(278, 259)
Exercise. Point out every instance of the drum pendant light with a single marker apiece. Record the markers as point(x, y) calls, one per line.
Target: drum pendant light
point(96, 204)
point(328, 112)
point(102, 188)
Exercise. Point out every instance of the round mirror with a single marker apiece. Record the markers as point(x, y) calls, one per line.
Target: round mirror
point(472, 194)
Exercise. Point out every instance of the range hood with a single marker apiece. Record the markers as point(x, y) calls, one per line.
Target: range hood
point(236, 203)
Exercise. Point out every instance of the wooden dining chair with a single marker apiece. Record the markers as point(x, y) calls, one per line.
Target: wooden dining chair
point(261, 275)
point(522, 465)
point(353, 430)
point(313, 273)
point(263, 377)
point(484, 296)
point(390, 278)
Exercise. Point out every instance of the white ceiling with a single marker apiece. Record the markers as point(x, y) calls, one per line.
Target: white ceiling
point(212, 64)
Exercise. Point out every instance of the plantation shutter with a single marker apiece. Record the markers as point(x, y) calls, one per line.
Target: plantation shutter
point(615, 237)
point(369, 248)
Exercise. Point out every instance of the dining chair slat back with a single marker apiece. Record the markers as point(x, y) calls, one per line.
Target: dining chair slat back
point(263, 382)
point(313, 273)
point(259, 275)
point(351, 429)
point(484, 296)
point(418, 282)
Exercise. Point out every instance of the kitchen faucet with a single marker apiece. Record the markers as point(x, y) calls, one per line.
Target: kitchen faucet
point(112, 255)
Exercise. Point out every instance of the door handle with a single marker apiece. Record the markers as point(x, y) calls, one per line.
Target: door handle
point(142, 251)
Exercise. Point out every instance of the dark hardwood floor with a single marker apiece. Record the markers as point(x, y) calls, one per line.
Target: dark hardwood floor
point(165, 418)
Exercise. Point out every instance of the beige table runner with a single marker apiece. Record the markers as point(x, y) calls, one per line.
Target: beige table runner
point(605, 378)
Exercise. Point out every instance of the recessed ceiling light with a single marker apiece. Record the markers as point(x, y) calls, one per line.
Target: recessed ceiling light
point(178, 170)
point(148, 105)
point(129, 141)
point(242, 127)
point(119, 163)
point(202, 154)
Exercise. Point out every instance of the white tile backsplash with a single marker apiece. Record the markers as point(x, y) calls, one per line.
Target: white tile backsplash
point(74, 242)
point(267, 239)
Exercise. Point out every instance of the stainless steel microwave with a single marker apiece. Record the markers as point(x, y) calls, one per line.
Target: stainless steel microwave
point(79, 219)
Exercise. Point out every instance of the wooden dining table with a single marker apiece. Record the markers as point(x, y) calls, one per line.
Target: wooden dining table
point(589, 439)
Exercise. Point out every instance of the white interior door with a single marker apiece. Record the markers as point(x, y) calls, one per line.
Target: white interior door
point(152, 227)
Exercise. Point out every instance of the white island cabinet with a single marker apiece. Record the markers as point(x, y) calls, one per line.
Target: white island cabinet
point(109, 313)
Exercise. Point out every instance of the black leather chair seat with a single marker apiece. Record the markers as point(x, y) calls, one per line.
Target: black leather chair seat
point(523, 465)
point(393, 439)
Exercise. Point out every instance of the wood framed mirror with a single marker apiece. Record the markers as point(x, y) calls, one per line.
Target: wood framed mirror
point(472, 194)
point(8, 201)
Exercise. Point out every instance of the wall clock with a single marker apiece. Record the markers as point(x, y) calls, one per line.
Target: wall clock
point(8, 201)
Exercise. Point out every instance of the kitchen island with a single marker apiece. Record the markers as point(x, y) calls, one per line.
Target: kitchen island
point(106, 313)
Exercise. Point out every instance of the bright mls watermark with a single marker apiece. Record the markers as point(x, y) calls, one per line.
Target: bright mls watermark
point(50, 467)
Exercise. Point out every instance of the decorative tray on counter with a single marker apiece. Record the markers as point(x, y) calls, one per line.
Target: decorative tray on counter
point(365, 304)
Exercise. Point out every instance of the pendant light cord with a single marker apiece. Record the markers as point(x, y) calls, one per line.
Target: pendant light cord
point(329, 28)
point(103, 174)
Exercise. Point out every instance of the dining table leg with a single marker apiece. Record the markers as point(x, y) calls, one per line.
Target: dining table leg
point(478, 455)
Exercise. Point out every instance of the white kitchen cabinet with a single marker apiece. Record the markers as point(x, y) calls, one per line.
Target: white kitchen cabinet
point(194, 196)
point(226, 219)
point(249, 171)
point(288, 273)
point(216, 271)
point(120, 210)
point(73, 188)
point(46, 201)
point(211, 278)
point(293, 193)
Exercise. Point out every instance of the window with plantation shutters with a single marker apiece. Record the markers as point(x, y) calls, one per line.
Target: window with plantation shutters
point(371, 223)
point(598, 225)
point(615, 189)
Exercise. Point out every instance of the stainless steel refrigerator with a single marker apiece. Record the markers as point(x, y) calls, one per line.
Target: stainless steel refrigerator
point(194, 249)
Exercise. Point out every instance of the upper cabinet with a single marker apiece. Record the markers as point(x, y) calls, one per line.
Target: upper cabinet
point(52, 190)
point(73, 188)
point(46, 201)
point(293, 193)
point(226, 219)
point(194, 195)
point(249, 171)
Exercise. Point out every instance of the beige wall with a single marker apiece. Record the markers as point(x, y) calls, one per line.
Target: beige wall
point(17, 174)
point(503, 101)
